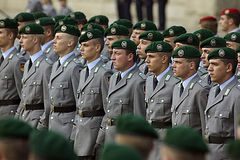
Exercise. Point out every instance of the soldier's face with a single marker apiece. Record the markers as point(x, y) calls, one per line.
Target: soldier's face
point(4, 37)
point(154, 62)
point(121, 59)
point(218, 70)
point(135, 35)
point(205, 53)
point(170, 40)
point(177, 45)
point(141, 48)
point(26, 41)
point(181, 68)
point(89, 50)
point(224, 22)
point(110, 40)
point(60, 43)
point(233, 45)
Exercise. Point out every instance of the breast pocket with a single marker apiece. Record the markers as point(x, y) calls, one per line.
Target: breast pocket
point(164, 105)
point(224, 121)
point(36, 87)
point(119, 106)
point(62, 88)
point(7, 81)
point(94, 96)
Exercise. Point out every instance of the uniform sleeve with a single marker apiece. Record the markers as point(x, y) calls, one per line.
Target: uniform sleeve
point(75, 76)
point(105, 86)
point(139, 98)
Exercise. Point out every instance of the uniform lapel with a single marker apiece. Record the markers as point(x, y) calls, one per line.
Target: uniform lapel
point(6, 60)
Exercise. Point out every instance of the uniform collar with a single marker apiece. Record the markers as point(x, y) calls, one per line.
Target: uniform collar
point(92, 64)
point(159, 77)
point(125, 72)
point(36, 56)
point(64, 58)
point(46, 45)
point(222, 86)
point(5, 54)
point(185, 83)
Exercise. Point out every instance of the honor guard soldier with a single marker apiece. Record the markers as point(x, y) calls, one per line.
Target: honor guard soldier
point(183, 143)
point(14, 136)
point(92, 92)
point(125, 22)
point(66, 20)
point(64, 80)
point(172, 33)
point(141, 27)
point(37, 70)
point(233, 40)
point(187, 39)
point(126, 88)
point(80, 17)
point(230, 20)
point(34, 6)
point(47, 46)
point(47, 145)
point(233, 149)
point(89, 26)
point(146, 38)
point(37, 15)
point(119, 152)
point(159, 89)
point(58, 18)
point(112, 34)
point(23, 18)
point(11, 69)
point(207, 46)
point(134, 131)
point(223, 103)
point(191, 94)
point(210, 23)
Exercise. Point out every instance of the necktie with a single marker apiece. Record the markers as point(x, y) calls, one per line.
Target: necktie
point(146, 70)
point(1, 60)
point(30, 64)
point(87, 73)
point(209, 80)
point(118, 78)
point(181, 89)
point(58, 64)
point(218, 90)
point(155, 82)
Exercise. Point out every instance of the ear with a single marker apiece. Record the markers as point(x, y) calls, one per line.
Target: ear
point(229, 67)
point(192, 65)
point(48, 32)
point(98, 48)
point(164, 59)
point(11, 35)
point(70, 43)
point(230, 21)
point(130, 57)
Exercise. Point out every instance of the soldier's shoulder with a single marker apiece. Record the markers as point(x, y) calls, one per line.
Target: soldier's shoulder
point(48, 61)
point(141, 75)
point(202, 83)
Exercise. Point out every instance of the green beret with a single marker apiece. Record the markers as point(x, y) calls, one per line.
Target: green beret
point(118, 152)
point(77, 15)
point(99, 19)
point(124, 44)
point(8, 23)
point(203, 34)
point(232, 149)
point(145, 25)
point(89, 26)
point(14, 128)
point(50, 145)
point(233, 37)
point(31, 28)
point(37, 15)
point(125, 22)
point(213, 42)
point(174, 31)
point(185, 139)
point(223, 53)
point(57, 18)
point(24, 17)
point(238, 49)
point(45, 21)
point(159, 46)
point(187, 38)
point(186, 52)
point(151, 36)
point(67, 20)
point(135, 125)
point(69, 29)
point(118, 30)
point(90, 34)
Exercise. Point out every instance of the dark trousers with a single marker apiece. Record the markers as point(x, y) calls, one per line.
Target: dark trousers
point(161, 14)
point(124, 9)
point(148, 9)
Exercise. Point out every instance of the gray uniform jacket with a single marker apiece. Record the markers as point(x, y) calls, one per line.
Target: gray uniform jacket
point(127, 96)
point(11, 72)
point(105, 54)
point(142, 66)
point(189, 109)
point(63, 92)
point(221, 116)
point(202, 71)
point(34, 6)
point(92, 95)
point(49, 51)
point(35, 89)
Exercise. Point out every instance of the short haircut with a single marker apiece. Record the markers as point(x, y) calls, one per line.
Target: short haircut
point(169, 55)
point(82, 21)
point(134, 54)
point(195, 60)
point(99, 41)
point(14, 31)
point(211, 25)
point(235, 17)
point(234, 63)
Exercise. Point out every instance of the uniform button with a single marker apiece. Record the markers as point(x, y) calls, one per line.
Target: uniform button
point(60, 86)
point(72, 120)
point(23, 115)
point(206, 127)
point(81, 102)
point(5, 77)
point(52, 118)
point(220, 115)
point(209, 116)
point(83, 93)
point(120, 101)
point(52, 87)
point(106, 127)
point(51, 97)
point(34, 82)
point(150, 111)
point(152, 100)
point(108, 110)
point(91, 91)
point(187, 111)
point(11, 111)
point(176, 112)
point(80, 120)
point(24, 95)
point(175, 124)
point(25, 85)
point(162, 100)
point(109, 101)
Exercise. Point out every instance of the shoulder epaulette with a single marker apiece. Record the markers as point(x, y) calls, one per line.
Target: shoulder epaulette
point(49, 61)
point(142, 75)
point(202, 83)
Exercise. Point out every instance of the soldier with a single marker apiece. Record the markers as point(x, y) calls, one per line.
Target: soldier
point(159, 87)
point(37, 15)
point(125, 22)
point(207, 46)
point(92, 93)
point(80, 17)
point(64, 10)
point(11, 69)
point(183, 143)
point(14, 135)
point(134, 131)
point(34, 6)
point(57, 18)
point(233, 40)
point(223, 103)
point(172, 33)
point(146, 38)
point(89, 26)
point(233, 149)
point(238, 53)
point(37, 70)
point(210, 23)
point(190, 95)
point(118, 152)
point(64, 80)
point(46, 145)
point(126, 89)
point(187, 39)
point(229, 20)
point(67, 20)
point(47, 45)
point(141, 27)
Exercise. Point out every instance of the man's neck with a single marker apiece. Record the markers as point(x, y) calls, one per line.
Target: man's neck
point(161, 70)
point(187, 76)
point(4, 49)
point(231, 28)
point(34, 50)
point(65, 53)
